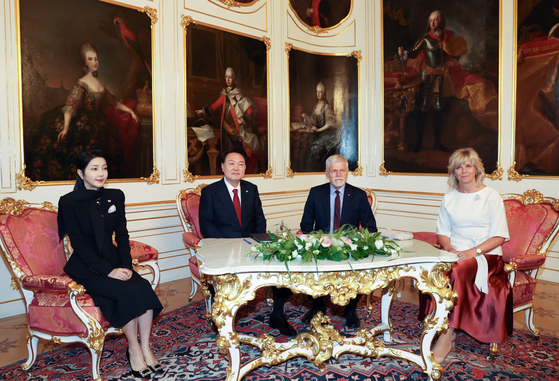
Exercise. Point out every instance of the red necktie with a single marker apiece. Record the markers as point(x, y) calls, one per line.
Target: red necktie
point(337, 211)
point(237, 205)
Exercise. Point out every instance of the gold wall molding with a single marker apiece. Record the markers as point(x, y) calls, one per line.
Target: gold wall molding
point(290, 172)
point(186, 21)
point(383, 171)
point(268, 173)
point(358, 171)
point(513, 175)
point(151, 13)
point(154, 178)
point(24, 182)
point(188, 177)
point(267, 42)
point(497, 173)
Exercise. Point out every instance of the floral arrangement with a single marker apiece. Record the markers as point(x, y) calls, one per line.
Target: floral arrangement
point(352, 243)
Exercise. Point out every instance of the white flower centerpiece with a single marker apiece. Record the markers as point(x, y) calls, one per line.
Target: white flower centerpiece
point(351, 243)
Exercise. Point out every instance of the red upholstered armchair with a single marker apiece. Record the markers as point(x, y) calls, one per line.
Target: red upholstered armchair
point(533, 224)
point(188, 203)
point(57, 308)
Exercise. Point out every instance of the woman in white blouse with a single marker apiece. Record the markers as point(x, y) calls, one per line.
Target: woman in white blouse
point(472, 224)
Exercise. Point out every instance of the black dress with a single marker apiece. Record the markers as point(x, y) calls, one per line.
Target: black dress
point(90, 217)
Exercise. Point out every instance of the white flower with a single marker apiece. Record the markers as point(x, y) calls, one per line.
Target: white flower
point(353, 247)
point(294, 254)
point(337, 242)
point(366, 248)
point(308, 245)
point(300, 247)
point(254, 249)
point(379, 244)
point(313, 239)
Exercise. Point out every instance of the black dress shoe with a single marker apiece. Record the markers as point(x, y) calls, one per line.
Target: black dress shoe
point(144, 373)
point(281, 323)
point(310, 314)
point(352, 320)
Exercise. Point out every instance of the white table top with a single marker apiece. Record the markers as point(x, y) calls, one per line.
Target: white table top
point(220, 256)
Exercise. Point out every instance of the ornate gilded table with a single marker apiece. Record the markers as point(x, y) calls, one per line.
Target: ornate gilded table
point(236, 277)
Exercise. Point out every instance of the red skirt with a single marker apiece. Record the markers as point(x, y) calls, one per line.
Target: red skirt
point(486, 317)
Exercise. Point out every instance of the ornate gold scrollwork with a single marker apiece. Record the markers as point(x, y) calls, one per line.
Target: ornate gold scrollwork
point(24, 182)
point(290, 172)
point(12, 206)
point(497, 173)
point(267, 42)
point(288, 47)
point(228, 289)
point(513, 175)
point(357, 55)
point(230, 3)
point(268, 173)
point(154, 178)
point(152, 14)
point(358, 171)
point(383, 171)
point(186, 21)
point(437, 283)
point(532, 197)
point(15, 284)
point(316, 29)
point(188, 177)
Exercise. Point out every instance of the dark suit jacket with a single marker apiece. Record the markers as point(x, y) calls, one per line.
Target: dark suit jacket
point(355, 209)
point(217, 213)
point(86, 260)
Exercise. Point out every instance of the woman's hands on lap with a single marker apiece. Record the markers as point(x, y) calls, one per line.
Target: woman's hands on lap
point(120, 274)
point(465, 255)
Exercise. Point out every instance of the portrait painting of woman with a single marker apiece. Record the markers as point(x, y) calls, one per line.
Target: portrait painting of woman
point(86, 84)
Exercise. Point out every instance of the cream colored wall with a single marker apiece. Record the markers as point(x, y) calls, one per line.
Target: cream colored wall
point(405, 202)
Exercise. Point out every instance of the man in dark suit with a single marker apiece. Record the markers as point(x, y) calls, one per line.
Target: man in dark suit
point(330, 206)
point(231, 208)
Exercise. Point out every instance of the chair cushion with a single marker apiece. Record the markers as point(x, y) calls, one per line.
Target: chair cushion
point(143, 252)
point(190, 239)
point(32, 240)
point(193, 264)
point(190, 205)
point(52, 312)
point(429, 237)
point(523, 290)
point(524, 222)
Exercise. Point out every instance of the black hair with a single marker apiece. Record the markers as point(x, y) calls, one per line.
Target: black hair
point(82, 161)
point(238, 150)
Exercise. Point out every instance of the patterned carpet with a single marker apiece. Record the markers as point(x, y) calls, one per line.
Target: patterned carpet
point(185, 344)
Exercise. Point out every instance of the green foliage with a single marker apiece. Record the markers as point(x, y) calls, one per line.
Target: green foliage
point(344, 245)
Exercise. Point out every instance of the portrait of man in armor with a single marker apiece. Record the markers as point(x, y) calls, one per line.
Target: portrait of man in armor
point(440, 83)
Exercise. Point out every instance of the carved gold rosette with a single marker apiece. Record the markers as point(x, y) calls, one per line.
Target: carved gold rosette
point(357, 55)
point(497, 173)
point(290, 172)
point(154, 178)
point(268, 173)
point(230, 3)
point(316, 29)
point(513, 175)
point(288, 47)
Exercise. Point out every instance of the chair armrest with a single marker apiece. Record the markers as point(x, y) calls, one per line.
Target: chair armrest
point(191, 240)
point(46, 282)
point(142, 252)
point(510, 267)
point(526, 262)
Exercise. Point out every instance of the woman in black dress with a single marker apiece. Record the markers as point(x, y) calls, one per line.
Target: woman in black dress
point(90, 214)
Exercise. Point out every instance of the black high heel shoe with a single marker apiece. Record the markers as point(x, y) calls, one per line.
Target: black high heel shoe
point(144, 373)
point(157, 368)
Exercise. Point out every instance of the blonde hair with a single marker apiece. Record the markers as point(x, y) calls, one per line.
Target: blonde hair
point(336, 159)
point(459, 157)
